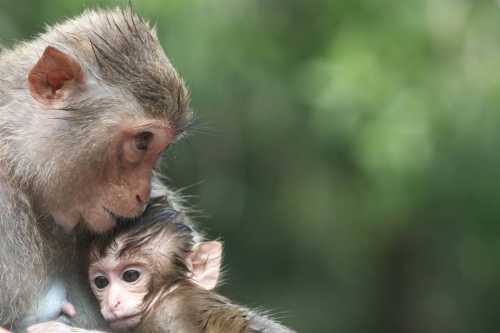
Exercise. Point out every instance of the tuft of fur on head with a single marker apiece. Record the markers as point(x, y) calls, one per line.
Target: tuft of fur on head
point(127, 53)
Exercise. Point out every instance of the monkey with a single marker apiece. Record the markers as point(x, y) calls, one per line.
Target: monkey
point(87, 108)
point(152, 277)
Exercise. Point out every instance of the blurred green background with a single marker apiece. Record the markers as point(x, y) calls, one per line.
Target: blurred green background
point(346, 153)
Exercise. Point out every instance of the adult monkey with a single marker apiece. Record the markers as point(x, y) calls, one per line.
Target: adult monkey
point(85, 111)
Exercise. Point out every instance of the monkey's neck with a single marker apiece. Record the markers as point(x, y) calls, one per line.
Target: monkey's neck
point(192, 309)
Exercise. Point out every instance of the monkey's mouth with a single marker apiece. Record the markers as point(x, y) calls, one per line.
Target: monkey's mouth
point(126, 322)
point(113, 215)
point(118, 217)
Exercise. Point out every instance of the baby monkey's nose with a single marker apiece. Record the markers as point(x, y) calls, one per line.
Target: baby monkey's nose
point(117, 304)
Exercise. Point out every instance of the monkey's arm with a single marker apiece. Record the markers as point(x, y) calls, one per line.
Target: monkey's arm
point(22, 262)
point(219, 314)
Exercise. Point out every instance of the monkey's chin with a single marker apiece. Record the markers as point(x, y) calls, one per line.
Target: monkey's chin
point(100, 222)
point(126, 322)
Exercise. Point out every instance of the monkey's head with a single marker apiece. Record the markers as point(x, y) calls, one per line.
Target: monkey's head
point(106, 102)
point(134, 265)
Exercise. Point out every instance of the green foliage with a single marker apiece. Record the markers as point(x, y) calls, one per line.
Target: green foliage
point(346, 153)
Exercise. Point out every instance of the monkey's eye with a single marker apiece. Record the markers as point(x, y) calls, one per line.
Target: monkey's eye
point(131, 275)
point(143, 139)
point(101, 282)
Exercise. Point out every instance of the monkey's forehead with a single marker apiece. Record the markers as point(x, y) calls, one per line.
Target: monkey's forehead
point(111, 261)
point(105, 263)
point(131, 246)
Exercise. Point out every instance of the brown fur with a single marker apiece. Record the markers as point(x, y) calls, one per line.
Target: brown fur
point(190, 309)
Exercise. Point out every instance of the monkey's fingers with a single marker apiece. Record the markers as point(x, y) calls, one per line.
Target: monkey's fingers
point(68, 309)
point(3, 330)
point(49, 327)
point(56, 327)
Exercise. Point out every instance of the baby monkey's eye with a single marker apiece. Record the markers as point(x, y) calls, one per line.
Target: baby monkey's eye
point(131, 275)
point(101, 282)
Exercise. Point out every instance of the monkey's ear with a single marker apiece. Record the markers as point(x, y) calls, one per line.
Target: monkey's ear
point(54, 76)
point(205, 264)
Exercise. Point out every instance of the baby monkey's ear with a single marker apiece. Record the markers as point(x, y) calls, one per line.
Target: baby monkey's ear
point(204, 262)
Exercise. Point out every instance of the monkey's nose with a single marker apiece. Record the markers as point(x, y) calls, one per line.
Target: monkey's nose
point(139, 199)
point(142, 194)
point(116, 304)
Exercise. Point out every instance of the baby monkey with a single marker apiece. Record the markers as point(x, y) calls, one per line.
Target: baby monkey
point(150, 276)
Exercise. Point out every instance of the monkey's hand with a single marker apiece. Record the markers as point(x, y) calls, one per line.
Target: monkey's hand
point(56, 327)
point(52, 327)
point(3, 330)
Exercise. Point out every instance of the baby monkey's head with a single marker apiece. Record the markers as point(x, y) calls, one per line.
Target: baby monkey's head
point(145, 259)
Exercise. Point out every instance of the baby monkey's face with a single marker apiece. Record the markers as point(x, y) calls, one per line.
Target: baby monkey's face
point(121, 277)
point(120, 284)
